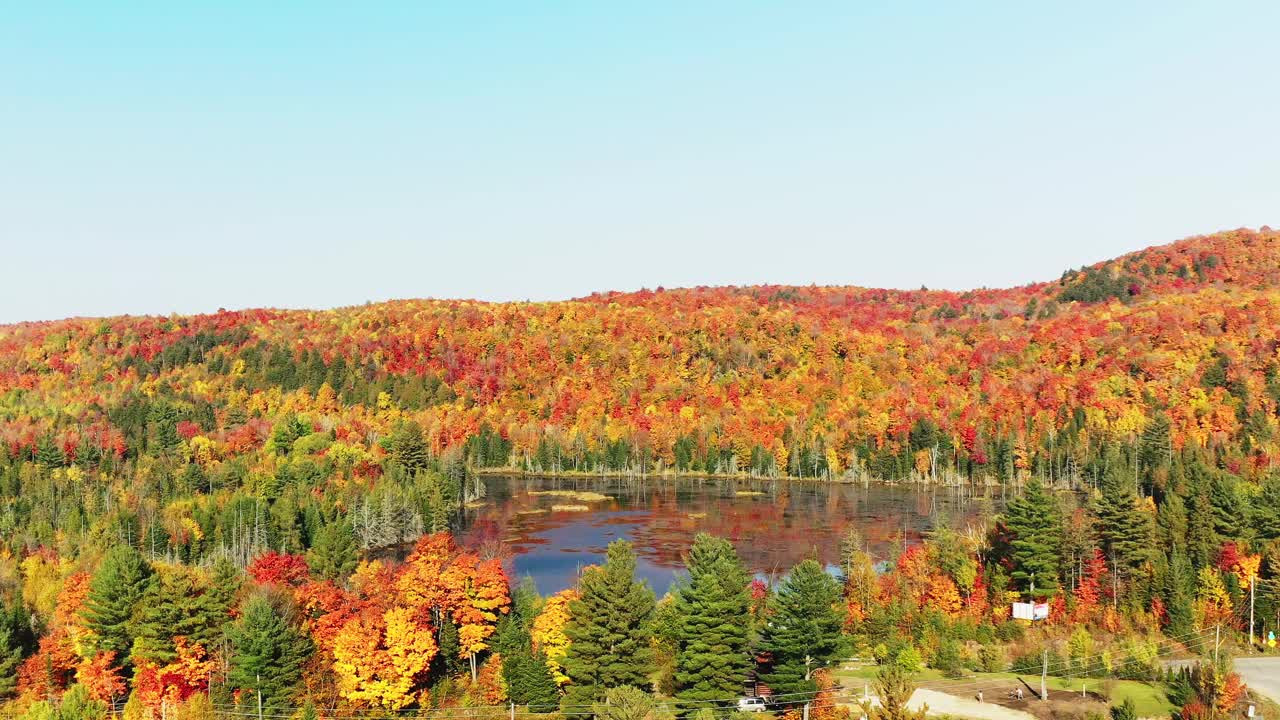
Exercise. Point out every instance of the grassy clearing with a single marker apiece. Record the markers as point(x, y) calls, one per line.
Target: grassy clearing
point(1148, 698)
point(570, 508)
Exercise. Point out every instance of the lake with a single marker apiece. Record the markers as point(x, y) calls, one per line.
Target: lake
point(549, 529)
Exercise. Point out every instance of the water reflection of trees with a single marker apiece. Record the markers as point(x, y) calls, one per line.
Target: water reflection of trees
point(774, 524)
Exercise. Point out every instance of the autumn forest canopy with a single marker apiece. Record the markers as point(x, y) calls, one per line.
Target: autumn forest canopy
point(215, 511)
point(1174, 346)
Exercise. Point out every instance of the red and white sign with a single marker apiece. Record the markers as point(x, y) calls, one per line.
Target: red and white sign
point(1031, 611)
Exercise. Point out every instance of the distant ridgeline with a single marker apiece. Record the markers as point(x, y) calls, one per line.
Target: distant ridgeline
point(1153, 365)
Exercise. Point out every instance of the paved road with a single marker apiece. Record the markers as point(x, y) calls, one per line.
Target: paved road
point(1261, 674)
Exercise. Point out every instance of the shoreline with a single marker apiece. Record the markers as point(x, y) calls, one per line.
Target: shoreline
point(668, 475)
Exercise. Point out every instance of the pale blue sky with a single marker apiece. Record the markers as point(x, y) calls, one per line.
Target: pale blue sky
point(160, 156)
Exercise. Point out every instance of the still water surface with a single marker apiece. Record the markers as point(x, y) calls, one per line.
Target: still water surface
point(547, 532)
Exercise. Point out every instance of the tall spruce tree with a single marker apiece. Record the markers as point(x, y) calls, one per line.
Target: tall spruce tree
point(1171, 522)
point(408, 448)
point(1178, 593)
point(1155, 452)
point(333, 555)
point(1228, 509)
point(1035, 528)
point(10, 657)
point(1125, 531)
point(608, 629)
point(176, 605)
point(1266, 510)
point(713, 633)
point(224, 583)
point(529, 680)
point(115, 591)
point(267, 653)
point(1202, 536)
point(803, 633)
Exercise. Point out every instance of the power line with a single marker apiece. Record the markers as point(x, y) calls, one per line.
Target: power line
point(480, 711)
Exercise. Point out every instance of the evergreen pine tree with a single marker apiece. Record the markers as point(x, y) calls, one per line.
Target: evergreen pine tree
point(1266, 510)
point(1124, 711)
point(713, 608)
point(624, 703)
point(267, 653)
point(173, 606)
point(530, 682)
point(1179, 592)
point(309, 711)
point(1125, 532)
point(511, 635)
point(1171, 522)
point(1035, 527)
point(333, 555)
point(609, 629)
point(894, 688)
point(48, 453)
point(112, 601)
point(804, 629)
point(224, 584)
point(76, 704)
point(447, 660)
point(1202, 537)
point(1228, 511)
point(1155, 451)
point(408, 448)
point(10, 658)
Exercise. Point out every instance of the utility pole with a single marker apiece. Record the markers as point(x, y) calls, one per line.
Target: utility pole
point(1253, 581)
point(1043, 675)
point(1217, 642)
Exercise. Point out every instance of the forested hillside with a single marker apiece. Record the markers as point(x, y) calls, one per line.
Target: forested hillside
point(1167, 350)
point(212, 506)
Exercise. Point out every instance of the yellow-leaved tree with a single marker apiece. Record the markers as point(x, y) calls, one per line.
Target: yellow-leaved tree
point(548, 632)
